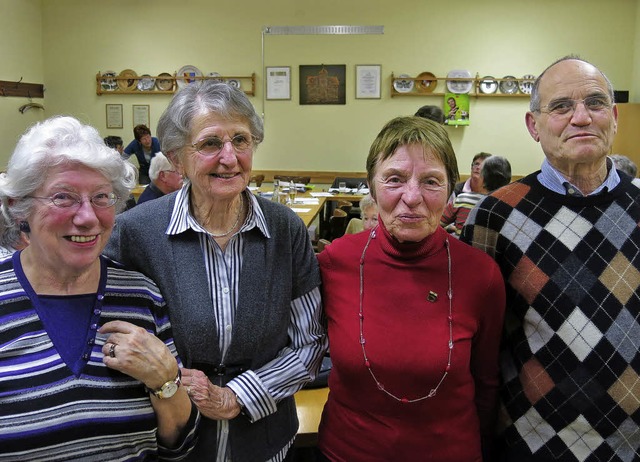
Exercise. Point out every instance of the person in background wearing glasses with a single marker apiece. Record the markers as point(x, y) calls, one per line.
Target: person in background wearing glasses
point(475, 183)
point(414, 316)
point(239, 273)
point(165, 179)
point(77, 381)
point(567, 238)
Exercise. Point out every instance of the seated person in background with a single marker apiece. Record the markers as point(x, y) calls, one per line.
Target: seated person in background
point(368, 216)
point(625, 164)
point(164, 179)
point(115, 142)
point(495, 173)
point(474, 183)
point(144, 146)
point(434, 113)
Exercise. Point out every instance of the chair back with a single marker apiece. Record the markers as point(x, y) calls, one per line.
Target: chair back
point(337, 224)
point(257, 179)
point(344, 205)
point(322, 243)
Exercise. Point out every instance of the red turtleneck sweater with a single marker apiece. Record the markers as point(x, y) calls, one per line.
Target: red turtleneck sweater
point(407, 339)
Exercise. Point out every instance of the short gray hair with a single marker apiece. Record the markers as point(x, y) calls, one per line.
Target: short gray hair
point(534, 104)
point(57, 141)
point(159, 163)
point(204, 97)
point(366, 202)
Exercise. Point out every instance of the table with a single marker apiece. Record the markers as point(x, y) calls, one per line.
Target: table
point(309, 404)
point(313, 210)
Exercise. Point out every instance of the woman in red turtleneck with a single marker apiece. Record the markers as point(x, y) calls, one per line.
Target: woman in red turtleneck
point(415, 372)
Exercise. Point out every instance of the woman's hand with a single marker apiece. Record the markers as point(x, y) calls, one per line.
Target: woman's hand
point(134, 351)
point(217, 403)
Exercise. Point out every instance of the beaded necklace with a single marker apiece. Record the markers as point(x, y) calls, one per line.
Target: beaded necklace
point(367, 362)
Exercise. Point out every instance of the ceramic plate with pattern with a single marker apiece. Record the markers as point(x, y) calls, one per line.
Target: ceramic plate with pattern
point(164, 82)
point(146, 83)
point(108, 82)
point(403, 84)
point(526, 84)
point(459, 86)
point(509, 85)
point(187, 74)
point(128, 81)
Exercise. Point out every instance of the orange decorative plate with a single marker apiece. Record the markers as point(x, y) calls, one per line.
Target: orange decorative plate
point(427, 82)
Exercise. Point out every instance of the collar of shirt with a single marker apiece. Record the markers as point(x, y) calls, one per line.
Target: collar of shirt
point(552, 179)
point(182, 219)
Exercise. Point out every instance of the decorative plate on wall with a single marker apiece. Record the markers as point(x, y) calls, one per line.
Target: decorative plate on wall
point(146, 83)
point(216, 76)
point(526, 84)
point(130, 80)
point(107, 82)
point(509, 85)
point(235, 83)
point(166, 83)
point(488, 84)
point(187, 74)
point(459, 86)
point(403, 84)
point(427, 82)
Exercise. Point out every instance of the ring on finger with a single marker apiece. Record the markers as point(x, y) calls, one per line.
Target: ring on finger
point(112, 350)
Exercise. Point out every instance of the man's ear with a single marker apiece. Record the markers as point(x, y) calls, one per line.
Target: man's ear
point(530, 120)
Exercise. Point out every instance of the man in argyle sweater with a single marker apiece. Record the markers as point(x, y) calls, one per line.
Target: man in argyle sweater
point(567, 239)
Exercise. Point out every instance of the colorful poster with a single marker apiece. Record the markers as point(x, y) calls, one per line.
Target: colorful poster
point(456, 109)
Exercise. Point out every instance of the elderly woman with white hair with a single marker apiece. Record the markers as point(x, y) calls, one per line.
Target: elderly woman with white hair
point(88, 367)
point(164, 177)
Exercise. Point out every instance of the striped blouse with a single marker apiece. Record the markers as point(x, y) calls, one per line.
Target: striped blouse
point(47, 413)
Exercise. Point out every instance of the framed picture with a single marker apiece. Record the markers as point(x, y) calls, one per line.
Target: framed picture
point(368, 81)
point(278, 82)
point(140, 114)
point(114, 115)
point(323, 84)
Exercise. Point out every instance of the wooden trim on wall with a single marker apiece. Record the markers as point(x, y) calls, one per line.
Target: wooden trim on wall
point(328, 177)
point(316, 177)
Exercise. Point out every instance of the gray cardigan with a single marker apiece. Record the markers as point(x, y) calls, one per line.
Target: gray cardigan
point(275, 271)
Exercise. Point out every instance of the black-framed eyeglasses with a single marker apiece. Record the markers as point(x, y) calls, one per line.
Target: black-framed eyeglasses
point(567, 106)
point(66, 200)
point(212, 145)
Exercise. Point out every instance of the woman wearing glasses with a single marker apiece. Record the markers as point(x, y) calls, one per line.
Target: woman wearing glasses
point(88, 368)
point(239, 273)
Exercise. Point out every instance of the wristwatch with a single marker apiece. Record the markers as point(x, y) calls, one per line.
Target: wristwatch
point(168, 389)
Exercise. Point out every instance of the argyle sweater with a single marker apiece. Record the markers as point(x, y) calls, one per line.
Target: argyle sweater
point(570, 364)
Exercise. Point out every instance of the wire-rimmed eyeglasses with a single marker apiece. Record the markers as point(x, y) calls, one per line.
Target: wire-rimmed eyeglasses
point(66, 200)
point(212, 145)
point(567, 106)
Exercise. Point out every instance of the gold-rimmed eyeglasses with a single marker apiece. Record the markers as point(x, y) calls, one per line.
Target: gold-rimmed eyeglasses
point(68, 199)
point(212, 145)
point(567, 106)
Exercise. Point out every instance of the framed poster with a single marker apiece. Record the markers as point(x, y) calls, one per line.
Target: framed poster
point(114, 115)
point(140, 114)
point(278, 82)
point(368, 81)
point(323, 84)
point(456, 109)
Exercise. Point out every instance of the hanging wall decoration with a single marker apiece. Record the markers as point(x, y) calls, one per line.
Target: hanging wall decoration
point(456, 108)
point(323, 84)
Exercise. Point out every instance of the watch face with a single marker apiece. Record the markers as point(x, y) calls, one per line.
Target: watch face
point(168, 390)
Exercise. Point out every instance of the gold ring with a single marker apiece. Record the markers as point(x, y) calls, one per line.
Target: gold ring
point(112, 350)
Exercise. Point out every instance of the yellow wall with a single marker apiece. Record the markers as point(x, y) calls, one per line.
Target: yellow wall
point(20, 57)
point(493, 37)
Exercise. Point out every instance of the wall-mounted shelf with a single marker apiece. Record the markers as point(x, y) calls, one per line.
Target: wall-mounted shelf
point(419, 90)
point(104, 86)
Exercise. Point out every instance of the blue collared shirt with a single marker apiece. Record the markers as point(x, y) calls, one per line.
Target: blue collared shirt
point(552, 179)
